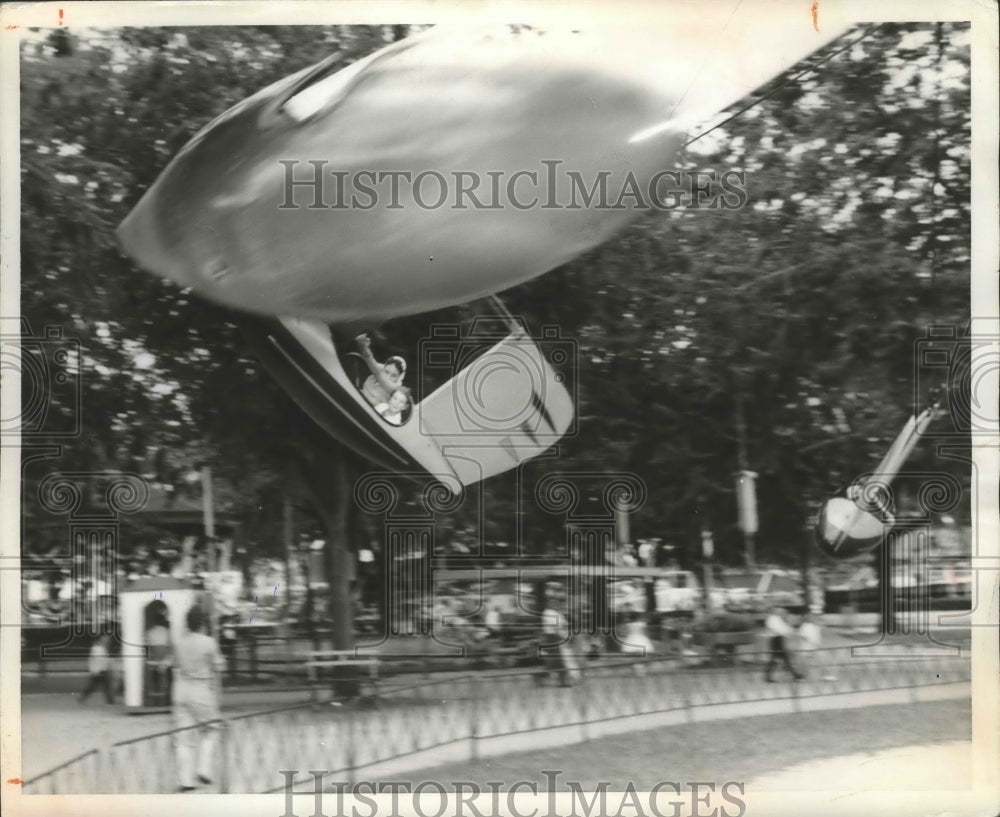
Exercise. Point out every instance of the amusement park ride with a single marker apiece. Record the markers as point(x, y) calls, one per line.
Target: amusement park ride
point(270, 210)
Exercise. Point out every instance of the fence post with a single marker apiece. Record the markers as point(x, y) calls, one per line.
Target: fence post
point(226, 740)
point(584, 731)
point(796, 701)
point(351, 748)
point(101, 776)
point(685, 695)
point(473, 703)
point(108, 773)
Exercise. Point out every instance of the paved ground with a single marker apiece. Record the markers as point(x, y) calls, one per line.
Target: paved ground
point(56, 728)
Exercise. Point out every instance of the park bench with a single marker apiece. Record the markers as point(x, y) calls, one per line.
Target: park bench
point(721, 647)
point(725, 639)
point(319, 660)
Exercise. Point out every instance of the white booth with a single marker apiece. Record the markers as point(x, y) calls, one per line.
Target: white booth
point(145, 604)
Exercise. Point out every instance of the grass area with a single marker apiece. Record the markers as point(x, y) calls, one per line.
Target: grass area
point(738, 749)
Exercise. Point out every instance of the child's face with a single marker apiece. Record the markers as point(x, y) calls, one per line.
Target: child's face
point(397, 402)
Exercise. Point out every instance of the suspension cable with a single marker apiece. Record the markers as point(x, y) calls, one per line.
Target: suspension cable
point(869, 30)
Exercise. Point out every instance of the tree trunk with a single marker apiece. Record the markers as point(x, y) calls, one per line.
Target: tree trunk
point(338, 560)
point(887, 609)
point(328, 480)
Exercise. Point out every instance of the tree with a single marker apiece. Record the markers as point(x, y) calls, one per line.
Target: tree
point(803, 305)
point(162, 366)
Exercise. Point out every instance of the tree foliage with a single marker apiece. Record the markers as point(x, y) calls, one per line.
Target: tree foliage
point(802, 307)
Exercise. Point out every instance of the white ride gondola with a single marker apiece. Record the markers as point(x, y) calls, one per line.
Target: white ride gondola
point(504, 407)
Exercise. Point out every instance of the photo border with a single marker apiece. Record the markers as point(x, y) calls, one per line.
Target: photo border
point(984, 301)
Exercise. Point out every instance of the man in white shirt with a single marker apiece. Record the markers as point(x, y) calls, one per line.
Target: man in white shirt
point(198, 666)
point(779, 629)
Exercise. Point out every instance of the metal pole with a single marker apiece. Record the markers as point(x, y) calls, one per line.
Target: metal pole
point(707, 551)
point(288, 534)
point(749, 554)
point(208, 507)
point(208, 518)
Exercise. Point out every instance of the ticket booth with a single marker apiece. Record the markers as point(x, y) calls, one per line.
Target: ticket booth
point(153, 612)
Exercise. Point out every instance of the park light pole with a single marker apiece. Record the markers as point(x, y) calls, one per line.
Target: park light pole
point(707, 550)
point(746, 489)
point(208, 521)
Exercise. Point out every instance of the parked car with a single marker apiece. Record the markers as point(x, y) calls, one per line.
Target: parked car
point(677, 591)
point(759, 589)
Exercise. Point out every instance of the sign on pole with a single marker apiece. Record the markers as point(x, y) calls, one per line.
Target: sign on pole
point(746, 500)
point(707, 544)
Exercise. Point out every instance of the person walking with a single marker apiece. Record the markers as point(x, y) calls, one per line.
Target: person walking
point(198, 667)
point(779, 629)
point(810, 635)
point(811, 644)
point(558, 655)
point(99, 668)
